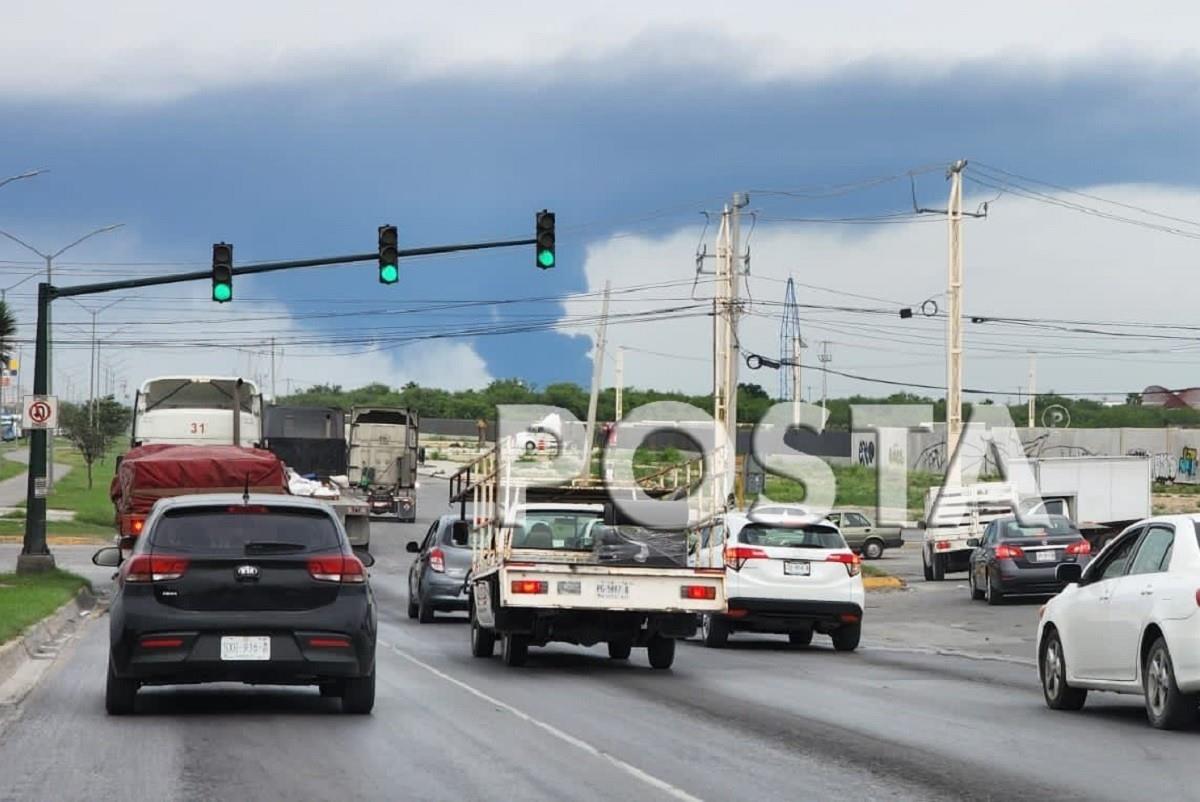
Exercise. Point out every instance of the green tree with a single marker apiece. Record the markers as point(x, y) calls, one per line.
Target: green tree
point(8, 330)
point(93, 435)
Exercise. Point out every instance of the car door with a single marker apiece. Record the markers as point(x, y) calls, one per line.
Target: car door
point(854, 529)
point(1085, 621)
point(979, 557)
point(1133, 601)
point(418, 566)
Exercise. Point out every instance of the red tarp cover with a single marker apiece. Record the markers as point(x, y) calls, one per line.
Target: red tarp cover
point(148, 473)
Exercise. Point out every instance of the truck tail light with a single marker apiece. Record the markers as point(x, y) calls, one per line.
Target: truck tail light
point(736, 556)
point(343, 568)
point(942, 545)
point(132, 525)
point(705, 592)
point(155, 568)
point(1081, 548)
point(1006, 552)
point(530, 586)
point(437, 561)
point(851, 560)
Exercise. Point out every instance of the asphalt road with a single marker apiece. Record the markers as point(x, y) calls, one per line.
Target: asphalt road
point(758, 721)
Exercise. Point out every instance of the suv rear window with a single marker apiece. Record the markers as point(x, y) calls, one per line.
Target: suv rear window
point(241, 530)
point(792, 537)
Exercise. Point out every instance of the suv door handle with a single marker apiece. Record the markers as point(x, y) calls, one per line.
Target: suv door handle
point(1147, 592)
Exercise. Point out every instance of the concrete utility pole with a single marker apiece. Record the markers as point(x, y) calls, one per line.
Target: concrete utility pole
point(725, 342)
point(620, 384)
point(954, 349)
point(1032, 389)
point(825, 358)
point(597, 372)
point(273, 395)
point(797, 344)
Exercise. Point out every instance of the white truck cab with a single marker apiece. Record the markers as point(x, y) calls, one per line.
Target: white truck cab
point(197, 410)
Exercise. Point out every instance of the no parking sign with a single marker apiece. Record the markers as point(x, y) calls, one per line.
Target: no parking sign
point(40, 412)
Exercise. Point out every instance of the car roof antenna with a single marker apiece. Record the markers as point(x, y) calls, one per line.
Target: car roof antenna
point(246, 492)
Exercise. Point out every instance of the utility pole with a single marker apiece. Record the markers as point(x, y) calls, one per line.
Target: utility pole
point(273, 395)
point(597, 372)
point(725, 343)
point(1032, 388)
point(620, 384)
point(797, 344)
point(954, 349)
point(825, 358)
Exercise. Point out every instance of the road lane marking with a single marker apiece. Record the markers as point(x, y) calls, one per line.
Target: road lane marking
point(578, 743)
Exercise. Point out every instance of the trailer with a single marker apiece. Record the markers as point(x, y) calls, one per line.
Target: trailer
point(564, 563)
point(383, 454)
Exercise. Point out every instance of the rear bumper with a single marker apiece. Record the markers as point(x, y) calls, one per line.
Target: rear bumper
point(1041, 580)
point(446, 594)
point(786, 615)
point(197, 657)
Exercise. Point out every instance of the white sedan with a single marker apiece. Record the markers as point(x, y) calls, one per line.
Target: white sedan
point(1129, 623)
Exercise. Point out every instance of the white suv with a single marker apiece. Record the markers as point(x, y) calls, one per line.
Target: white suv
point(1129, 623)
point(787, 575)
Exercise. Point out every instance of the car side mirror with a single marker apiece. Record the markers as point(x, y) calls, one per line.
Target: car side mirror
point(107, 557)
point(973, 542)
point(1068, 572)
point(365, 557)
point(413, 547)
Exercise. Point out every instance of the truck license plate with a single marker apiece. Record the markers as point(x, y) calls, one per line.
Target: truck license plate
point(245, 648)
point(612, 590)
point(797, 567)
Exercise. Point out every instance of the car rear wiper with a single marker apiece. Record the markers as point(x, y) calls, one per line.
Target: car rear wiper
point(260, 546)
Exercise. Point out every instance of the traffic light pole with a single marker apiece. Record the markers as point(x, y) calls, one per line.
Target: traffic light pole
point(35, 553)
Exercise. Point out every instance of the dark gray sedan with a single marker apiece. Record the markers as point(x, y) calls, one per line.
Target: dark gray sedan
point(1016, 557)
point(437, 578)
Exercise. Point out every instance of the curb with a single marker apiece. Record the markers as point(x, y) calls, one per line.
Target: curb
point(883, 583)
point(41, 640)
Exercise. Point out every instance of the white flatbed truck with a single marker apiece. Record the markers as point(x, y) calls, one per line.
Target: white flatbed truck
point(529, 587)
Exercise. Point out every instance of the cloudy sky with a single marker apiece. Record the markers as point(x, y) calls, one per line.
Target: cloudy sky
point(295, 129)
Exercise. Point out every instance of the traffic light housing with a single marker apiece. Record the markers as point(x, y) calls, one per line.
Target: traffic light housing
point(389, 255)
point(222, 272)
point(545, 240)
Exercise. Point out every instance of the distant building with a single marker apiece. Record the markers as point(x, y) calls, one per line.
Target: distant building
point(1156, 396)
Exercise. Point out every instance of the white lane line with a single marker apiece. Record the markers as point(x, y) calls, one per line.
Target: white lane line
point(578, 743)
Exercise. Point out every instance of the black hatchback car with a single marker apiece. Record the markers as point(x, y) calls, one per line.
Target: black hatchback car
point(259, 589)
point(1022, 557)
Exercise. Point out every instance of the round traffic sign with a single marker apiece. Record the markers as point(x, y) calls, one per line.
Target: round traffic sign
point(39, 412)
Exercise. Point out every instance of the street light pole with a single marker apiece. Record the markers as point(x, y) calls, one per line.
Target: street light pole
point(50, 257)
point(26, 174)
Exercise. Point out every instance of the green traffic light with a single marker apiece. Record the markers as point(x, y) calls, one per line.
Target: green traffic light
point(546, 258)
point(388, 274)
point(222, 292)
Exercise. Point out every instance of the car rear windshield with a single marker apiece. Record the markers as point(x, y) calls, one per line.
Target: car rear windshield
point(1052, 525)
point(244, 529)
point(792, 537)
point(551, 529)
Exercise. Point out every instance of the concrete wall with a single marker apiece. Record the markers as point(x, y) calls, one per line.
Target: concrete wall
point(1173, 451)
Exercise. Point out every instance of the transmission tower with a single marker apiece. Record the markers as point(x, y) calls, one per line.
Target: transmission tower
point(790, 344)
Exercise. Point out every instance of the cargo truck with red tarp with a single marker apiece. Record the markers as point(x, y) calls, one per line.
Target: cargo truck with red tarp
point(147, 473)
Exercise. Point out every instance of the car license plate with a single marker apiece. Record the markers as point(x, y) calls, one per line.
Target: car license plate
point(245, 648)
point(1045, 556)
point(797, 567)
point(612, 590)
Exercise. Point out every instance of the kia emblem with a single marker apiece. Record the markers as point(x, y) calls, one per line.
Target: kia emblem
point(247, 572)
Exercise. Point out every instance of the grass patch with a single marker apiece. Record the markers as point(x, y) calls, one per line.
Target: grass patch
point(1172, 489)
point(856, 487)
point(25, 600)
point(16, 526)
point(92, 507)
point(10, 468)
point(873, 570)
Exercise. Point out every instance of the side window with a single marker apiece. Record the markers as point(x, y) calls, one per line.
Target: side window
point(1116, 560)
point(1154, 548)
point(430, 535)
point(854, 519)
point(834, 518)
point(988, 533)
point(705, 535)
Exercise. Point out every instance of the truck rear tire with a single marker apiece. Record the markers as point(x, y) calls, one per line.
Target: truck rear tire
point(661, 652)
point(872, 549)
point(925, 568)
point(483, 640)
point(939, 567)
point(620, 649)
point(515, 649)
point(714, 631)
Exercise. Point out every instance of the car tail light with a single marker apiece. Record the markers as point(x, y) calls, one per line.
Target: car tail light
point(1007, 552)
point(437, 561)
point(851, 560)
point(132, 525)
point(1198, 597)
point(344, 568)
point(848, 618)
point(1081, 548)
point(698, 592)
point(160, 643)
point(736, 556)
point(530, 586)
point(942, 545)
point(155, 568)
point(329, 642)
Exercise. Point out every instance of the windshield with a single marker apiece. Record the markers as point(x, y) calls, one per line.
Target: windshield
point(792, 537)
point(551, 529)
point(1052, 525)
point(238, 529)
point(186, 394)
